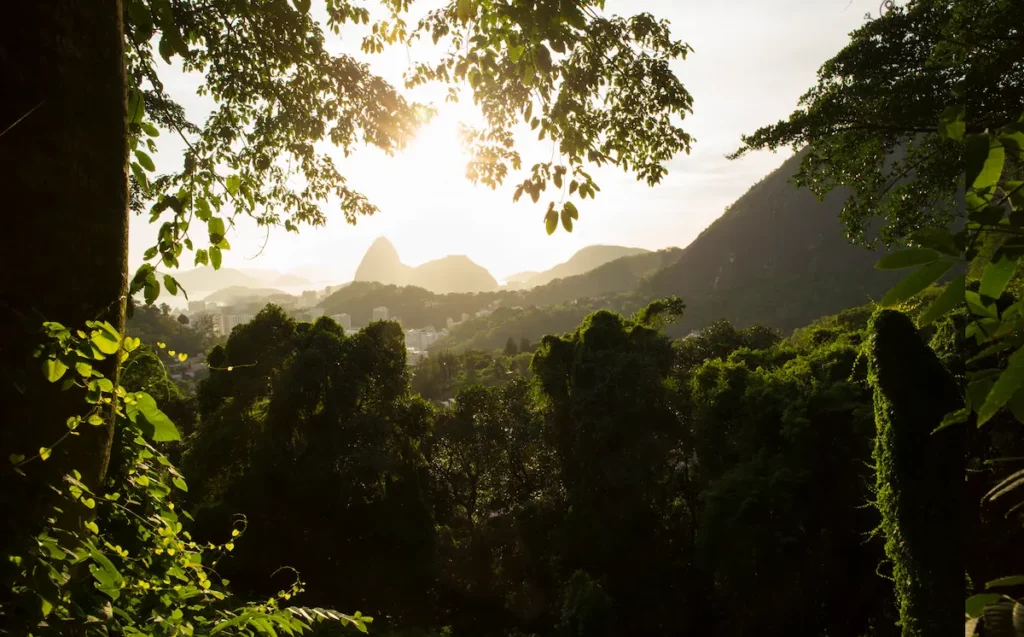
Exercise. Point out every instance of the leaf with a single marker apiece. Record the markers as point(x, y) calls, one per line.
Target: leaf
point(1010, 380)
point(163, 430)
point(975, 604)
point(464, 10)
point(178, 482)
point(950, 298)
point(543, 58)
point(937, 239)
point(907, 259)
point(16, 458)
point(54, 369)
point(215, 257)
point(566, 220)
point(170, 284)
point(44, 453)
point(984, 161)
point(151, 288)
point(106, 338)
point(145, 160)
point(997, 274)
point(957, 417)
point(978, 307)
point(233, 183)
point(150, 130)
point(1012, 580)
point(551, 221)
point(951, 122)
point(136, 106)
point(915, 282)
point(302, 5)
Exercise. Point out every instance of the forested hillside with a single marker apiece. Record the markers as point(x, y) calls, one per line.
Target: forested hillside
point(581, 262)
point(777, 256)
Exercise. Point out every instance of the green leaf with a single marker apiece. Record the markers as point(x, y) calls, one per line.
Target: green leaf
point(1012, 580)
point(937, 239)
point(54, 369)
point(1010, 380)
point(551, 221)
point(171, 284)
point(997, 274)
point(950, 298)
point(106, 338)
point(978, 307)
point(83, 369)
point(215, 257)
point(543, 58)
point(233, 183)
point(136, 106)
point(145, 160)
point(464, 10)
point(150, 130)
point(301, 5)
point(44, 453)
point(566, 219)
point(915, 282)
point(16, 458)
point(975, 604)
point(951, 122)
point(957, 417)
point(984, 161)
point(178, 482)
point(907, 259)
point(216, 229)
point(163, 430)
point(151, 288)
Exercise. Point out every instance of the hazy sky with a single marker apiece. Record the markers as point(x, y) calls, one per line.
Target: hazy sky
point(752, 60)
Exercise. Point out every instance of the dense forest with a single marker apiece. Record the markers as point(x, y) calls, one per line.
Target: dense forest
point(618, 461)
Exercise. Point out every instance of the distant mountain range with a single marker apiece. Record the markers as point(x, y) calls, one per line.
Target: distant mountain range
point(583, 261)
point(205, 280)
point(451, 274)
point(459, 274)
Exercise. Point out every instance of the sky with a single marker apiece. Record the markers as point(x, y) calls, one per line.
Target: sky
point(751, 62)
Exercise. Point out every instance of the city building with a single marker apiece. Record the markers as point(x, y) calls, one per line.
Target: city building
point(343, 320)
point(308, 298)
point(450, 322)
point(196, 306)
point(420, 339)
point(413, 356)
point(380, 313)
point(224, 323)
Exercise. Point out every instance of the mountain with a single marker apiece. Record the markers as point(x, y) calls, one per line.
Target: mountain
point(777, 256)
point(621, 275)
point(415, 306)
point(236, 293)
point(583, 261)
point(381, 264)
point(519, 280)
point(451, 274)
point(207, 279)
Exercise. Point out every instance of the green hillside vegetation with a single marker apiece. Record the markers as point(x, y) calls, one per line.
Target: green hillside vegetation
point(416, 306)
point(622, 274)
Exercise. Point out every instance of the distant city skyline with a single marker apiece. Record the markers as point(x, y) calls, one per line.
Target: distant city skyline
point(752, 60)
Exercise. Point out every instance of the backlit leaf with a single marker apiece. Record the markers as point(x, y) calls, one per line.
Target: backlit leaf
point(915, 282)
point(54, 369)
point(1010, 380)
point(907, 259)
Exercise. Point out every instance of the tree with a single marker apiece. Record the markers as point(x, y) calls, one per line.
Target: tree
point(920, 475)
point(510, 347)
point(278, 93)
point(64, 148)
point(525, 346)
point(183, 319)
point(877, 122)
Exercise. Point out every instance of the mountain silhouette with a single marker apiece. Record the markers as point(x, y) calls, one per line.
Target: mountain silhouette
point(585, 260)
point(450, 274)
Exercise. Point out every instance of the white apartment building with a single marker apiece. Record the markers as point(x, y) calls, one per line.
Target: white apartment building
point(196, 306)
point(343, 320)
point(224, 323)
point(380, 313)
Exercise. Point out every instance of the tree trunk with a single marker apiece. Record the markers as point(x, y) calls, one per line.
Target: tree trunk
point(63, 157)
